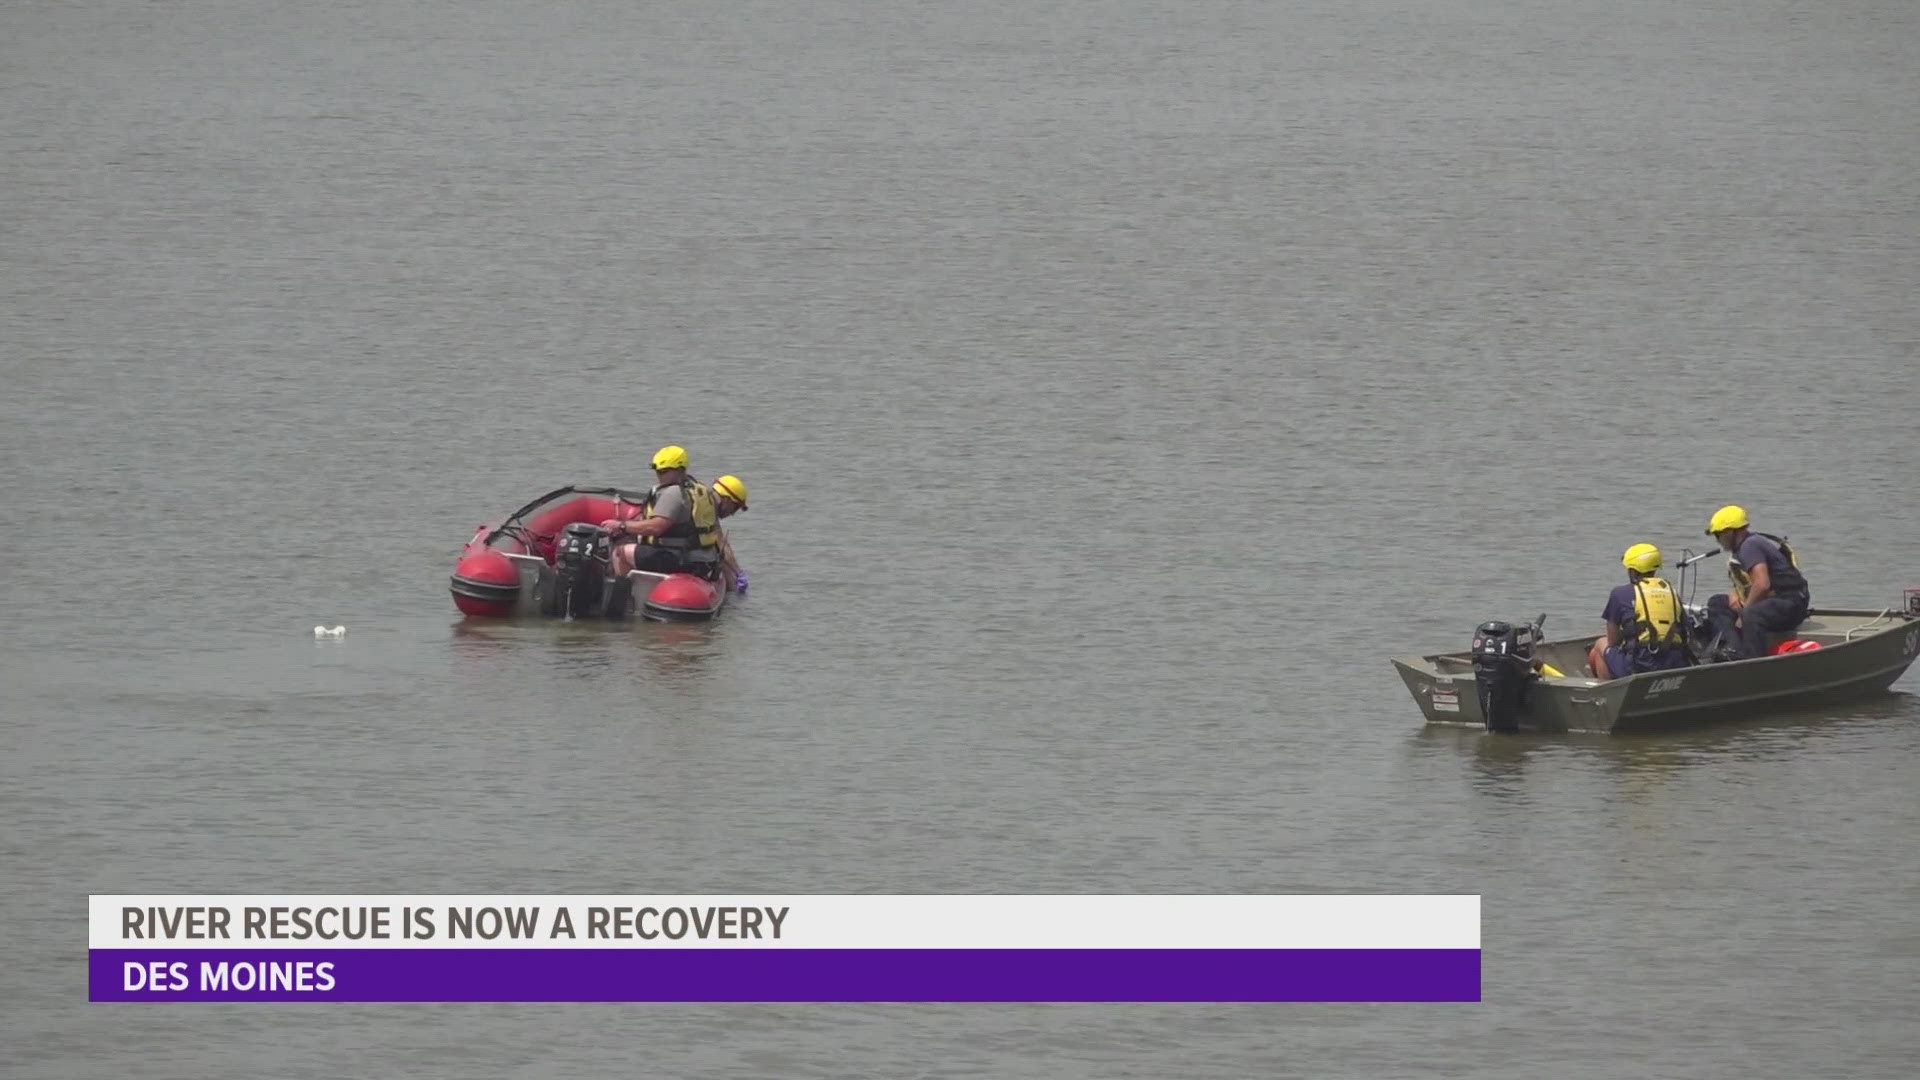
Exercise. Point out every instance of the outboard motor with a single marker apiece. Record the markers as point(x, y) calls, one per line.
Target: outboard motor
point(1704, 639)
point(1711, 636)
point(1706, 629)
point(580, 559)
point(1502, 668)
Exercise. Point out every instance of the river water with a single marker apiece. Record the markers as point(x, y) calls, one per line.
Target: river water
point(1119, 385)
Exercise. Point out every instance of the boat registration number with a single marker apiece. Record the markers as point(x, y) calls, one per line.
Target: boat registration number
point(1446, 699)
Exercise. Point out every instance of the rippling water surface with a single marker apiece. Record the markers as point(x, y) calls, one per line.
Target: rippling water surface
point(1118, 384)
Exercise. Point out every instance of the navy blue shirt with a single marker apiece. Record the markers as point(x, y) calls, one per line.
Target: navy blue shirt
point(1757, 549)
point(1619, 609)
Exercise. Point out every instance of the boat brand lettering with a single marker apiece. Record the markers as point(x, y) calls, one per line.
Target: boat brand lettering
point(1661, 686)
point(1446, 699)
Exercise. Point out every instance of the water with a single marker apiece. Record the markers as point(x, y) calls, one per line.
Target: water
point(1118, 385)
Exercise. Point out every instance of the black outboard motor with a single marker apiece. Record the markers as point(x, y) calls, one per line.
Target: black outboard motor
point(1707, 630)
point(1708, 637)
point(1502, 668)
point(580, 560)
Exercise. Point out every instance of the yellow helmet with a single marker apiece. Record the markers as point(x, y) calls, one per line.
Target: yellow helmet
point(733, 488)
point(670, 457)
point(1644, 558)
point(1727, 517)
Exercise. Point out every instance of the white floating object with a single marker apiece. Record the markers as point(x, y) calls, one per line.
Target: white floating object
point(323, 632)
point(319, 631)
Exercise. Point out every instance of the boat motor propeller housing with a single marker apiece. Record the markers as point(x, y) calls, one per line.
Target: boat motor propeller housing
point(1502, 668)
point(580, 560)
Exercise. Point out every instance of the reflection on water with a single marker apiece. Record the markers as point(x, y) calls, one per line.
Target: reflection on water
point(681, 652)
point(1498, 764)
point(477, 640)
point(1760, 736)
point(672, 652)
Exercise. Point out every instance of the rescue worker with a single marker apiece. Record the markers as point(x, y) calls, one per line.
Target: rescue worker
point(1645, 631)
point(729, 498)
point(678, 527)
point(1769, 594)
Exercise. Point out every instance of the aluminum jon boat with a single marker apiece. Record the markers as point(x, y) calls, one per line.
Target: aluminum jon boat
point(1859, 652)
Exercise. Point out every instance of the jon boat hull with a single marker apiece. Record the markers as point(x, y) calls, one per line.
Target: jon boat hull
point(1862, 652)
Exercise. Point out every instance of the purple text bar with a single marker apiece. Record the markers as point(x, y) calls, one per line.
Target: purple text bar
point(784, 975)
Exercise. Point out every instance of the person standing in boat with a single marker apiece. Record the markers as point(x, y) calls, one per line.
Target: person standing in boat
point(1770, 594)
point(678, 528)
point(1644, 630)
point(729, 498)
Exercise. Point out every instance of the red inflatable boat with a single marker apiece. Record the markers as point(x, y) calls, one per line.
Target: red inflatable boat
point(550, 558)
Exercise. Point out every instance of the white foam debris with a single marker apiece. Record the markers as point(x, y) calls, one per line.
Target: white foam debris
point(323, 632)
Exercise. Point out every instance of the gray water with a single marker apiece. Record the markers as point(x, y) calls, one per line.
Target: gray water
point(1118, 386)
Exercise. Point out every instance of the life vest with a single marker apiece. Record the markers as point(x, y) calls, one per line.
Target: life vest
point(703, 532)
point(1656, 615)
point(1788, 585)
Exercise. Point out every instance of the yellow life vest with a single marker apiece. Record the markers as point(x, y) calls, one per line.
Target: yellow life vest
point(704, 533)
point(1656, 613)
point(706, 516)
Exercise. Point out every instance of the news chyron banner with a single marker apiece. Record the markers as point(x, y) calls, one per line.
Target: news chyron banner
point(784, 948)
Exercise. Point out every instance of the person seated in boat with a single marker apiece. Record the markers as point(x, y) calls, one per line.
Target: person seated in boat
point(1769, 594)
point(677, 529)
point(729, 498)
point(1644, 628)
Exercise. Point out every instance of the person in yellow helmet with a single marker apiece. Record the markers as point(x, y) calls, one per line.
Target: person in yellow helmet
point(729, 495)
point(1645, 631)
point(1769, 594)
point(678, 527)
point(729, 498)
